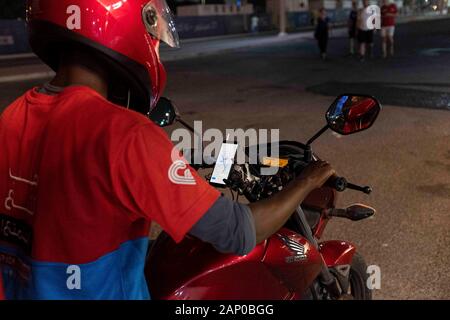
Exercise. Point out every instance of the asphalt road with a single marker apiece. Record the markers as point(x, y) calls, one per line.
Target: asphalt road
point(405, 157)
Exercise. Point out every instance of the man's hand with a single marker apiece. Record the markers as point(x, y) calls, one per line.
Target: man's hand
point(271, 214)
point(316, 174)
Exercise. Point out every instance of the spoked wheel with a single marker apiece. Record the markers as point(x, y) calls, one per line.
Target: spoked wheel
point(358, 279)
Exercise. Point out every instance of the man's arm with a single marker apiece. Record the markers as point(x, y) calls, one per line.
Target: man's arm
point(143, 186)
point(229, 226)
point(358, 19)
point(233, 227)
point(271, 214)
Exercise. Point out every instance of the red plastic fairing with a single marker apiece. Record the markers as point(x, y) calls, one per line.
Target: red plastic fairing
point(293, 260)
point(281, 268)
point(194, 270)
point(337, 252)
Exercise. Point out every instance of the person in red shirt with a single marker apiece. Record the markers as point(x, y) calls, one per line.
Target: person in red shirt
point(84, 171)
point(388, 15)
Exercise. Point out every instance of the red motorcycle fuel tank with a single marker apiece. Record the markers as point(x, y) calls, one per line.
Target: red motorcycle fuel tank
point(293, 260)
point(280, 268)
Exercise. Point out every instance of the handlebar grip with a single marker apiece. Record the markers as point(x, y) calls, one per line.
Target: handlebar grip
point(338, 183)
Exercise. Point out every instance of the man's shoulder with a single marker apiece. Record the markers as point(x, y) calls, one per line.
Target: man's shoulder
point(7, 110)
point(98, 121)
point(102, 112)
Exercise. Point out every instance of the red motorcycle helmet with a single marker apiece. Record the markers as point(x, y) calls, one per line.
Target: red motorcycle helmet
point(124, 33)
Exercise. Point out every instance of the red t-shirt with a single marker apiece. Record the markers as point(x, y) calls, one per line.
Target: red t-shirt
point(80, 180)
point(388, 21)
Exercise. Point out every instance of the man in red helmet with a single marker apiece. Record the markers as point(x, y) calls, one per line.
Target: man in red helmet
point(83, 173)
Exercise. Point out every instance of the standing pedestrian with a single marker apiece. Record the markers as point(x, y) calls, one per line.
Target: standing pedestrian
point(321, 32)
point(388, 15)
point(365, 31)
point(255, 24)
point(352, 18)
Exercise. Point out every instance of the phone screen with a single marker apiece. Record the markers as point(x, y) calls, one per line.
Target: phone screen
point(224, 163)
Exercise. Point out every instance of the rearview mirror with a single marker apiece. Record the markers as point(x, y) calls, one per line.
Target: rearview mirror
point(164, 114)
point(352, 113)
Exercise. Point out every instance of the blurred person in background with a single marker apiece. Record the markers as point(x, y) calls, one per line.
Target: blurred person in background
point(365, 31)
point(352, 18)
point(255, 24)
point(388, 14)
point(321, 32)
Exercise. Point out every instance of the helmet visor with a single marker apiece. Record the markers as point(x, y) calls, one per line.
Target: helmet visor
point(159, 22)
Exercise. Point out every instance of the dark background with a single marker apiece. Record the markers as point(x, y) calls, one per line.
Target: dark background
point(12, 9)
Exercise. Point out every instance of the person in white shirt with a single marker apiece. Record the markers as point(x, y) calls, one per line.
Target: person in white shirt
point(365, 31)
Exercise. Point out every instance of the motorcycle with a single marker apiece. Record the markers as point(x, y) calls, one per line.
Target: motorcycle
point(293, 263)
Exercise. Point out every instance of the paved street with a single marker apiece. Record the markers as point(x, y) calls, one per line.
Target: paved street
point(405, 157)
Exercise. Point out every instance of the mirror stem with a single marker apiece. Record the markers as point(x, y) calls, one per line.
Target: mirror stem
point(318, 134)
point(185, 124)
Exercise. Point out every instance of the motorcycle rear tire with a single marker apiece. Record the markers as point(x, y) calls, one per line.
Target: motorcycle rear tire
point(358, 279)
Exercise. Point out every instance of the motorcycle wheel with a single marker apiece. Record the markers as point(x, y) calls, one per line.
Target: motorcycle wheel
point(358, 279)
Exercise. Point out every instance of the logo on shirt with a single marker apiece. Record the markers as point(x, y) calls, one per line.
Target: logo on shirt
point(16, 232)
point(179, 173)
point(10, 202)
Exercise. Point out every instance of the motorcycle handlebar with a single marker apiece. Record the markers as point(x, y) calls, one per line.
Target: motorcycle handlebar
point(337, 183)
point(340, 184)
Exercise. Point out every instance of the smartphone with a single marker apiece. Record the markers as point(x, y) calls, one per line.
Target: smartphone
point(224, 163)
